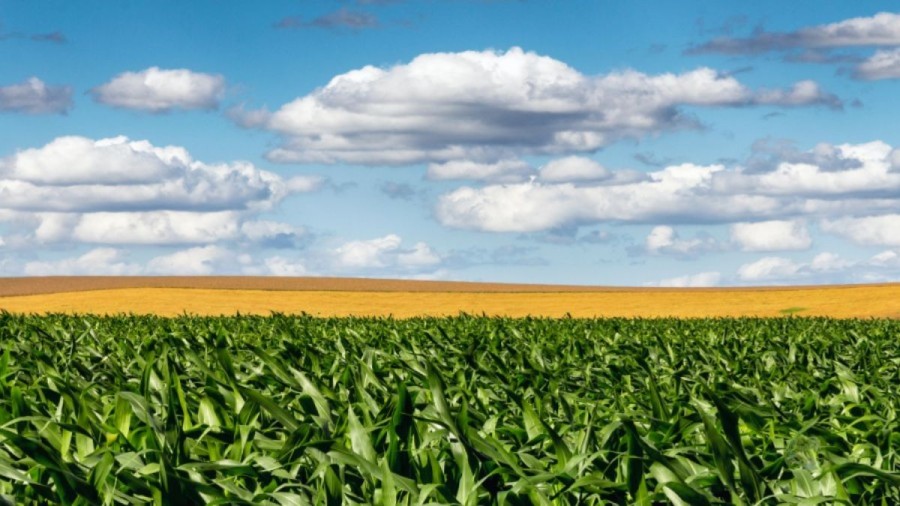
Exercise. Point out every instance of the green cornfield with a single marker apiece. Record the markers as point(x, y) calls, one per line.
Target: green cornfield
point(295, 410)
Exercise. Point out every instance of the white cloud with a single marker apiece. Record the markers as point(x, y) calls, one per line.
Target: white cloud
point(161, 90)
point(660, 237)
point(881, 65)
point(384, 254)
point(882, 29)
point(271, 232)
point(888, 258)
point(54, 227)
point(503, 171)
point(156, 227)
point(779, 269)
point(573, 169)
point(827, 261)
point(280, 266)
point(769, 268)
point(99, 261)
point(202, 260)
point(78, 160)
point(370, 253)
point(81, 174)
point(894, 159)
point(801, 93)
point(677, 193)
point(33, 96)
point(818, 44)
point(692, 280)
point(881, 230)
point(774, 235)
point(832, 181)
point(421, 256)
point(118, 191)
point(303, 184)
point(664, 239)
point(146, 227)
point(871, 174)
point(488, 106)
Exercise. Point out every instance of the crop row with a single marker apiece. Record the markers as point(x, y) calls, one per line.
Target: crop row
point(300, 410)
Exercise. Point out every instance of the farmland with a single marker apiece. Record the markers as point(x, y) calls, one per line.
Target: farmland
point(331, 297)
point(473, 410)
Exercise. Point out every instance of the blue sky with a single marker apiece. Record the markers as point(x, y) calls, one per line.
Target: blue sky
point(616, 143)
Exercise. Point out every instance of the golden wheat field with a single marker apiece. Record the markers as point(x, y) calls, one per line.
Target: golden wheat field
point(403, 299)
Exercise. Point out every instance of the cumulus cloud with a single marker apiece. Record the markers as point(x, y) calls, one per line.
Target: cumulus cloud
point(573, 169)
point(801, 93)
point(155, 227)
point(768, 154)
point(383, 253)
point(119, 191)
point(670, 195)
point(33, 96)
point(894, 159)
point(882, 29)
point(161, 90)
point(864, 169)
point(825, 267)
point(202, 260)
point(826, 261)
point(368, 253)
point(281, 266)
point(99, 261)
point(865, 180)
point(702, 279)
point(816, 44)
point(887, 258)
point(489, 106)
point(773, 235)
point(502, 171)
point(881, 65)
point(272, 234)
point(78, 160)
point(421, 255)
point(117, 174)
point(146, 227)
point(769, 268)
point(664, 240)
point(194, 261)
point(882, 230)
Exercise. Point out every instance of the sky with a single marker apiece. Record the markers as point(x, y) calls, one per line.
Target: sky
point(640, 143)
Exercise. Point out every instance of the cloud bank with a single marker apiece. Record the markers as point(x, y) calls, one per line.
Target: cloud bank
point(489, 106)
point(161, 90)
point(119, 191)
point(882, 29)
point(33, 96)
point(816, 44)
point(687, 193)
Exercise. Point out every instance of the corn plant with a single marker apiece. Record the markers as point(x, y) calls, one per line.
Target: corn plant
point(296, 410)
